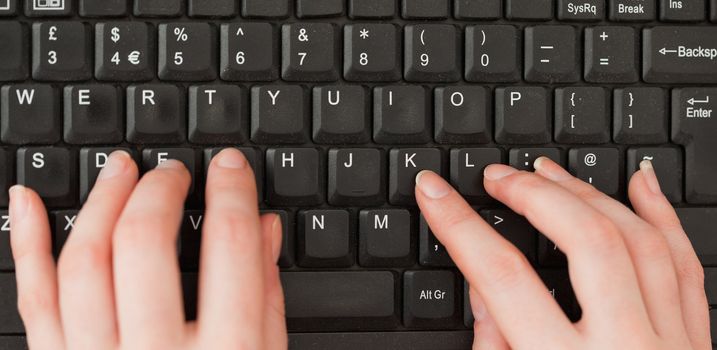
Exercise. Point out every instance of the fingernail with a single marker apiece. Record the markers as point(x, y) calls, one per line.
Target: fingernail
point(231, 159)
point(433, 186)
point(276, 248)
point(477, 306)
point(498, 171)
point(116, 165)
point(170, 164)
point(550, 169)
point(18, 203)
point(650, 177)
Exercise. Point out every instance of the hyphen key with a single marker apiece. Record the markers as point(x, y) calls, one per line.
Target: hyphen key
point(680, 54)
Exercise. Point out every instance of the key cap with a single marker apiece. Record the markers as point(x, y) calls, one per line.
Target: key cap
point(667, 163)
point(698, 224)
point(524, 158)
point(682, 11)
point(429, 299)
point(29, 114)
point(431, 53)
point(155, 114)
point(431, 251)
point(7, 168)
point(61, 51)
point(379, 9)
point(279, 114)
point(265, 8)
point(385, 238)
point(341, 115)
point(190, 240)
point(549, 255)
point(325, 239)
point(551, 54)
point(187, 52)
point(14, 55)
point(48, 8)
point(6, 260)
point(382, 340)
point(319, 8)
point(63, 222)
point(424, 9)
point(253, 156)
point(523, 115)
point(286, 256)
point(152, 157)
point(347, 298)
point(493, 54)
point(10, 321)
point(309, 52)
point(93, 114)
point(713, 16)
point(92, 160)
point(249, 52)
point(515, 228)
point(693, 126)
point(463, 115)
point(477, 9)
point(581, 10)
point(611, 55)
point(582, 115)
point(51, 172)
point(531, 10)
point(371, 52)
point(467, 165)
point(8, 8)
point(632, 10)
point(158, 8)
point(598, 167)
point(103, 8)
point(293, 177)
point(405, 164)
point(356, 177)
point(558, 283)
point(217, 114)
point(400, 115)
point(640, 116)
point(212, 8)
point(124, 52)
point(679, 54)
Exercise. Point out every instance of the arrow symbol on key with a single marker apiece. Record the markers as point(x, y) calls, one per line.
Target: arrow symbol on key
point(693, 101)
point(665, 51)
point(498, 220)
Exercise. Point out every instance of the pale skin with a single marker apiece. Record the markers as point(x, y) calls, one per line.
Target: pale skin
point(117, 285)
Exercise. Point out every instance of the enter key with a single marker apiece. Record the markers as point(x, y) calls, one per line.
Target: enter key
point(680, 54)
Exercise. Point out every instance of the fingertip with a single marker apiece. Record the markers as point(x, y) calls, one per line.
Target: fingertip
point(496, 172)
point(432, 185)
point(171, 164)
point(230, 158)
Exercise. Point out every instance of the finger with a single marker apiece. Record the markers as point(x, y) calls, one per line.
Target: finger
point(85, 265)
point(146, 272)
point(649, 202)
point(275, 328)
point(600, 267)
point(232, 293)
point(647, 247)
point(513, 293)
point(486, 333)
point(35, 270)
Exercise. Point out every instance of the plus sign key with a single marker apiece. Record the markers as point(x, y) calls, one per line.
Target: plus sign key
point(611, 55)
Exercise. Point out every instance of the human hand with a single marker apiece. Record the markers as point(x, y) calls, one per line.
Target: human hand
point(635, 275)
point(117, 282)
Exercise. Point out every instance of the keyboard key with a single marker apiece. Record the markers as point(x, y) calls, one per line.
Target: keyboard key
point(514, 228)
point(249, 52)
point(93, 114)
point(551, 54)
point(611, 55)
point(385, 238)
point(549, 255)
point(61, 51)
point(679, 54)
point(293, 177)
point(682, 11)
point(493, 54)
point(190, 240)
point(559, 286)
point(124, 52)
point(582, 115)
point(371, 52)
point(467, 165)
point(29, 114)
point(10, 321)
point(356, 177)
point(319, 8)
point(48, 8)
point(384, 340)
point(668, 168)
point(309, 52)
point(155, 114)
point(286, 256)
point(6, 260)
point(401, 115)
point(524, 158)
point(430, 250)
point(429, 299)
point(152, 157)
point(713, 16)
point(463, 115)
point(103, 8)
point(92, 160)
point(405, 164)
point(253, 156)
point(522, 115)
point(217, 114)
point(325, 239)
point(265, 8)
point(598, 167)
point(8, 8)
point(698, 224)
point(632, 10)
point(363, 9)
point(63, 222)
point(693, 126)
point(431, 53)
point(7, 175)
point(51, 172)
point(530, 10)
point(187, 52)
point(424, 9)
point(14, 55)
point(158, 8)
point(341, 115)
point(477, 9)
point(640, 116)
point(212, 8)
point(581, 10)
point(279, 114)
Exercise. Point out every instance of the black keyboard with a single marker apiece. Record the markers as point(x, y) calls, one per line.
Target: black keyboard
point(338, 104)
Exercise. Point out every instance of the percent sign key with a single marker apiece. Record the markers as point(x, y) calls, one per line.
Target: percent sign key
point(187, 52)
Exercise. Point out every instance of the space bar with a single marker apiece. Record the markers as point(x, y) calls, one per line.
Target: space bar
point(454, 340)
